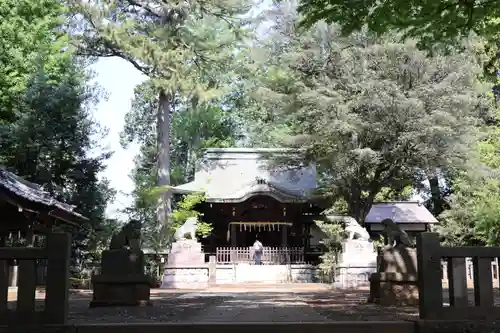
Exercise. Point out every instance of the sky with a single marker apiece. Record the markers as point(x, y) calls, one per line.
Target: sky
point(118, 78)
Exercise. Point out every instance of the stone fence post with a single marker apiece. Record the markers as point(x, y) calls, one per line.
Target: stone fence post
point(212, 270)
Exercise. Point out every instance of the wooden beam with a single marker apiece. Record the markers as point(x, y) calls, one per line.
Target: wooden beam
point(41, 228)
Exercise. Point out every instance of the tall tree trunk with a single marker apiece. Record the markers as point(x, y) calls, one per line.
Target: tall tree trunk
point(165, 102)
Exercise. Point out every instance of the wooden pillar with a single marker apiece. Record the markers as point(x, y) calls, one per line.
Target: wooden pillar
point(430, 288)
point(30, 235)
point(284, 236)
point(233, 235)
point(212, 270)
point(57, 295)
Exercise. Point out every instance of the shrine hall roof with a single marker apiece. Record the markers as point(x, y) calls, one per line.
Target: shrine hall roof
point(400, 212)
point(235, 174)
point(21, 192)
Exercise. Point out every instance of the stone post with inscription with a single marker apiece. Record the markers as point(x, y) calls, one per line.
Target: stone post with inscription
point(357, 262)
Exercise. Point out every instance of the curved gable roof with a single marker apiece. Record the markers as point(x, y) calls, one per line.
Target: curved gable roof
point(400, 212)
point(236, 174)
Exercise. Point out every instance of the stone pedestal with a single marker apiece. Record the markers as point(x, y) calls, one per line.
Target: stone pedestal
point(186, 252)
point(358, 261)
point(186, 267)
point(395, 283)
point(393, 289)
point(122, 281)
point(130, 290)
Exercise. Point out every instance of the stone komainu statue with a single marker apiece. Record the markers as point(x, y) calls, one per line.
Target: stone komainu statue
point(395, 235)
point(189, 227)
point(353, 229)
point(129, 236)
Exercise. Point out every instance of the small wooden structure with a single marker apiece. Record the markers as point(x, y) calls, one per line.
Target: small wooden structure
point(28, 211)
point(55, 311)
point(411, 216)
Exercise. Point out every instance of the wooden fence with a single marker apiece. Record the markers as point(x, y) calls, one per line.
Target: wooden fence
point(469, 269)
point(429, 256)
point(57, 252)
point(270, 255)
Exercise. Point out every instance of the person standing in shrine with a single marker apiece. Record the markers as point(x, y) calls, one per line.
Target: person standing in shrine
point(258, 248)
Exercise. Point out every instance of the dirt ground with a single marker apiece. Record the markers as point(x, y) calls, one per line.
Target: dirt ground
point(283, 302)
point(236, 303)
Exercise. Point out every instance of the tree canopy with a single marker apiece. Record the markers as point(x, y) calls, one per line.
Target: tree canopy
point(369, 112)
point(430, 21)
point(186, 49)
point(47, 132)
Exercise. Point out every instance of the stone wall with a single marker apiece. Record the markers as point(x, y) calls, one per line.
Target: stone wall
point(185, 277)
point(197, 277)
point(353, 276)
point(273, 273)
point(225, 274)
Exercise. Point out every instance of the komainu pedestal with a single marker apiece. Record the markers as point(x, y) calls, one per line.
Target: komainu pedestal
point(186, 268)
point(396, 282)
point(122, 281)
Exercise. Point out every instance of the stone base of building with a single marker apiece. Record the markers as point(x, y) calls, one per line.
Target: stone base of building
point(186, 277)
point(132, 290)
point(393, 289)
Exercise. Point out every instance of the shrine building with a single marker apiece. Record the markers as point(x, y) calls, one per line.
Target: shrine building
point(246, 198)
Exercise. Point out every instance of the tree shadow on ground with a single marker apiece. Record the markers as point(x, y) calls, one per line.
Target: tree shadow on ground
point(339, 305)
point(349, 305)
point(164, 309)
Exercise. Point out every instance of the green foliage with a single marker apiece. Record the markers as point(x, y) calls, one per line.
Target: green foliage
point(394, 194)
point(186, 208)
point(335, 235)
point(379, 243)
point(372, 114)
point(436, 25)
point(429, 21)
point(204, 229)
point(47, 131)
point(474, 214)
point(30, 37)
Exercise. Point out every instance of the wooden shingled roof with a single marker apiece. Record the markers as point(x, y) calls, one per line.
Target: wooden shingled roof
point(31, 197)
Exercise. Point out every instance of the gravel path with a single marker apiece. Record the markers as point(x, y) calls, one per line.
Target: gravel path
point(253, 306)
point(239, 306)
point(262, 307)
point(166, 308)
point(163, 310)
point(352, 305)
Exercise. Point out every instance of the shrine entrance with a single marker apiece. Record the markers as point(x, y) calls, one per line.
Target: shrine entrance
point(274, 234)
